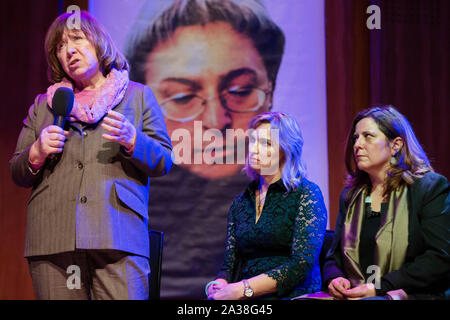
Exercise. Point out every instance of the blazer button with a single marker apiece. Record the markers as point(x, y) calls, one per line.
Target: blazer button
point(83, 199)
point(85, 133)
point(80, 165)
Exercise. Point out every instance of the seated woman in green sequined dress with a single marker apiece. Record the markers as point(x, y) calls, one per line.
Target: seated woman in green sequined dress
point(276, 227)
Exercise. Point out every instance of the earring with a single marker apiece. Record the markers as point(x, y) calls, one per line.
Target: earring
point(393, 159)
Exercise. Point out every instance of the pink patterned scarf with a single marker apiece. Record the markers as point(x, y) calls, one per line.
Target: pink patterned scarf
point(109, 95)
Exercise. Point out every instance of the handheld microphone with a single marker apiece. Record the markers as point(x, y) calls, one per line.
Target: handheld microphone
point(62, 105)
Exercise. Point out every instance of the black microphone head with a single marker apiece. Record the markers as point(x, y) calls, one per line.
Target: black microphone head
point(62, 102)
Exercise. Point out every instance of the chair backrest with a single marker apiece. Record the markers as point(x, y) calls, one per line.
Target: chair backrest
point(156, 250)
point(327, 241)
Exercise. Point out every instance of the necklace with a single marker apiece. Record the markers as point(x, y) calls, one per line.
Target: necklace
point(259, 204)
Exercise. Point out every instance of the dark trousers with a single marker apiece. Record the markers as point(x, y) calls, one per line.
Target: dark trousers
point(90, 274)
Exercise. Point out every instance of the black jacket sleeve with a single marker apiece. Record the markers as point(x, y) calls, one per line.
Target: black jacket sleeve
point(428, 262)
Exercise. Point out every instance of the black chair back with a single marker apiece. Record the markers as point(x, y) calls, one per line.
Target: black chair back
point(327, 241)
point(156, 250)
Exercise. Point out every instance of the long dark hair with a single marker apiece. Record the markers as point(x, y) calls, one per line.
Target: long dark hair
point(411, 160)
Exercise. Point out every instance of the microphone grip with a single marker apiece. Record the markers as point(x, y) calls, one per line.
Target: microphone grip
point(60, 121)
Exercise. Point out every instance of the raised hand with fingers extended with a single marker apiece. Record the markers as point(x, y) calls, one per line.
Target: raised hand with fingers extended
point(119, 130)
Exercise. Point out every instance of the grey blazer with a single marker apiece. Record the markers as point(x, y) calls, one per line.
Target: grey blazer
point(94, 196)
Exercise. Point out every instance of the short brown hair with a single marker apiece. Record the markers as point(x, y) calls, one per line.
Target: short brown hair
point(107, 54)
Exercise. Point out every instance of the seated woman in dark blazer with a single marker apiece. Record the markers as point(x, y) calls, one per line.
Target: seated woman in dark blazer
point(276, 227)
point(393, 230)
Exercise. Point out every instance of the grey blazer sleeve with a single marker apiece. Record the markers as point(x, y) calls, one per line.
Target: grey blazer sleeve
point(152, 152)
point(19, 168)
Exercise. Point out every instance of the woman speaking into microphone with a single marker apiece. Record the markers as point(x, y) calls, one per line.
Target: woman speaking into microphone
point(87, 216)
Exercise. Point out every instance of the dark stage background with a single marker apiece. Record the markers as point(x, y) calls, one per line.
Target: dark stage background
point(406, 64)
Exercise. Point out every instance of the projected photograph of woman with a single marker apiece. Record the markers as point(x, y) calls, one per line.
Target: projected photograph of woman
point(213, 66)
